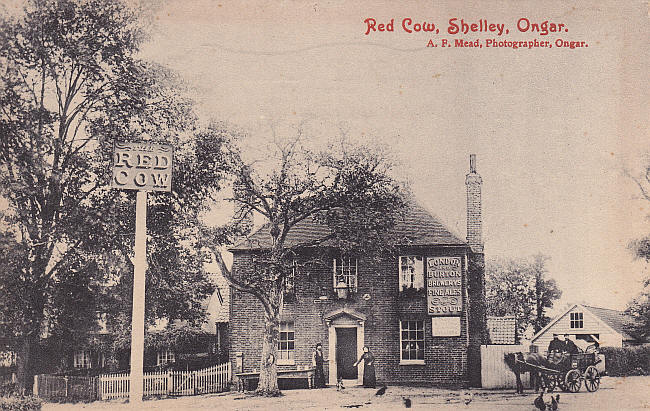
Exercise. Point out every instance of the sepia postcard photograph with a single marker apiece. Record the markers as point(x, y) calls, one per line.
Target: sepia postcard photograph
point(324, 205)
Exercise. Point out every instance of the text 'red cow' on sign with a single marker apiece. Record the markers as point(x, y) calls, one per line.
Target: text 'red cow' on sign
point(142, 166)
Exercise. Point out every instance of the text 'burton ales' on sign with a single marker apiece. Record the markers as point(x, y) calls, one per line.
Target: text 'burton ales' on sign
point(142, 166)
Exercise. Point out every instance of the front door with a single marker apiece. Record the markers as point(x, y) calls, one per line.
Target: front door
point(346, 353)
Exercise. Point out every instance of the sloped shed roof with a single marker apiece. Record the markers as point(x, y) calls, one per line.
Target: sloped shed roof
point(417, 225)
point(613, 318)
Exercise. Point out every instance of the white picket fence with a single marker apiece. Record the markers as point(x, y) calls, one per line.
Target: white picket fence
point(207, 380)
point(113, 386)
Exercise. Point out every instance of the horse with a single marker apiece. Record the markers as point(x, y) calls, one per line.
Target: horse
point(519, 367)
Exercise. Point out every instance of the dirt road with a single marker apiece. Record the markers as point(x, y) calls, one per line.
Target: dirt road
point(631, 393)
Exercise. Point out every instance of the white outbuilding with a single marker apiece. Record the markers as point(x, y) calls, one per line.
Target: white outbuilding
point(587, 325)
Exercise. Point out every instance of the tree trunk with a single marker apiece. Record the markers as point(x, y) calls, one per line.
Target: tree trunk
point(24, 380)
point(538, 302)
point(268, 383)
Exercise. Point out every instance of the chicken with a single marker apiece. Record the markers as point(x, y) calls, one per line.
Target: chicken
point(554, 403)
point(539, 402)
point(381, 391)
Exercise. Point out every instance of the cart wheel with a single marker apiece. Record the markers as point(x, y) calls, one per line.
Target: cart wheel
point(592, 378)
point(549, 382)
point(559, 379)
point(572, 381)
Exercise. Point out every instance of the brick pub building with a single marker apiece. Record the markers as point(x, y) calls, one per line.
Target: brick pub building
point(421, 311)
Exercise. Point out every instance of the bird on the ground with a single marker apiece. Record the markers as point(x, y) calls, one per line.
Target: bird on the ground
point(539, 402)
point(468, 397)
point(407, 402)
point(339, 385)
point(554, 403)
point(381, 391)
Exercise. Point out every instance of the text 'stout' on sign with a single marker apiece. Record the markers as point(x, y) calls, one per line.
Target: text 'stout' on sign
point(142, 166)
point(444, 286)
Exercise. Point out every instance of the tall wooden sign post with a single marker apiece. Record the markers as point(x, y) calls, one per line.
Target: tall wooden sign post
point(143, 167)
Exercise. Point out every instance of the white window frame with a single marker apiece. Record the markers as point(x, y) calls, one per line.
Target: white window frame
point(417, 264)
point(344, 269)
point(577, 320)
point(82, 360)
point(402, 323)
point(165, 357)
point(287, 356)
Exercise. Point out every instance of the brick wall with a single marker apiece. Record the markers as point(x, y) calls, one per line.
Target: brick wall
point(445, 357)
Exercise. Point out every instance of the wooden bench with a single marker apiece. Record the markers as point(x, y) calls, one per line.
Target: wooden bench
point(244, 378)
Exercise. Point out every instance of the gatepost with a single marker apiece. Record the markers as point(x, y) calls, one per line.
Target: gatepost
point(144, 167)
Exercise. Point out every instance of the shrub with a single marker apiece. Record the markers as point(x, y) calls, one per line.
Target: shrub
point(20, 404)
point(7, 389)
point(627, 361)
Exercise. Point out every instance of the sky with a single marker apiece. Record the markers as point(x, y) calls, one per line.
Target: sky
point(553, 128)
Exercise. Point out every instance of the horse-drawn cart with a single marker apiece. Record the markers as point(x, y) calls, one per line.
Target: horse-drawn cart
point(568, 371)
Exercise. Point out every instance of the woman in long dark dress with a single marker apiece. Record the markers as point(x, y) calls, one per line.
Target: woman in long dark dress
point(317, 362)
point(369, 380)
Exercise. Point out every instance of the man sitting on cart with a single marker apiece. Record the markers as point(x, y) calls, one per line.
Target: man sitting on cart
point(556, 344)
point(557, 351)
point(571, 347)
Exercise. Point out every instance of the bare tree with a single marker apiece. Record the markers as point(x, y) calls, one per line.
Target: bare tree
point(639, 306)
point(343, 186)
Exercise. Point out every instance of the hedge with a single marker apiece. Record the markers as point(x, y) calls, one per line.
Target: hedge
point(627, 361)
point(13, 403)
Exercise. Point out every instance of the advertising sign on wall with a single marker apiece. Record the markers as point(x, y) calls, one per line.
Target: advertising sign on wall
point(444, 286)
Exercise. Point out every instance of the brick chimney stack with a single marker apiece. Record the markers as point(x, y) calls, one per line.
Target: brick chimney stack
point(473, 182)
point(478, 333)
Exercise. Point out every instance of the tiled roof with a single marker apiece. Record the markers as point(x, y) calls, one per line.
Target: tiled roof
point(418, 226)
point(613, 318)
point(501, 330)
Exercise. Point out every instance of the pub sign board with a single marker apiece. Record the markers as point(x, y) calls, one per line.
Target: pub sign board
point(142, 166)
point(444, 286)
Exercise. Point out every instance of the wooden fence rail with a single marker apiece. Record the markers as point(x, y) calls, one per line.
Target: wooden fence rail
point(111, 386)
point(207, 380)
point(58, 388)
